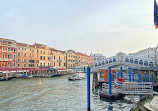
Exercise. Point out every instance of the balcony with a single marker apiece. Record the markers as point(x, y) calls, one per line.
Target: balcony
point(59, 60)
point(5, 59)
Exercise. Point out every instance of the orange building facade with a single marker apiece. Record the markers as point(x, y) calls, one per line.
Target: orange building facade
point(21, 55)
point(7, 53)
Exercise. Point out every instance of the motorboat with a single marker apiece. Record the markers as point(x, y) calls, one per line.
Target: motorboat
point(56, 75)
point(5, 79)
point(75, 77)
point(24, 76)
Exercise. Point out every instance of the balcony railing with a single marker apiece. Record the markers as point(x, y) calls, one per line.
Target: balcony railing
point(5, 59)
point(59, 60)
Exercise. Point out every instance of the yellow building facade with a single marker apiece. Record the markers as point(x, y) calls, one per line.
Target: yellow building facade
point(58, 58)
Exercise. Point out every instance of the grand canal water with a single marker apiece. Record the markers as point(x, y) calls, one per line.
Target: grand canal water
point(53, 94)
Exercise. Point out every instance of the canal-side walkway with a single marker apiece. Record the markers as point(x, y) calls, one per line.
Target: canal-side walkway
point(152, 105)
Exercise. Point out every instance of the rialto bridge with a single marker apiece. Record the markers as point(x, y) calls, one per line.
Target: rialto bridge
point(121, 59)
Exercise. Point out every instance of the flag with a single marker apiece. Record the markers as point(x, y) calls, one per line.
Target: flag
point(155, 14)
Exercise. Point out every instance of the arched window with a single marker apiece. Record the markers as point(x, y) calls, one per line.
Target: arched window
point(114, 59)
point(151, 64)
point(141, 62)
point(110, 61)
point(95, 64)
point(103, 63)
point(106, 62)
point(126, 60)
point(146, 63)
point(136, 61)
point(99, 64)
point(131, 60)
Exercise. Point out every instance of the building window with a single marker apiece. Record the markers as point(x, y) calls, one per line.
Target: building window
point(43, 52)
point(59, 64)
point(37, 51)
point(8, 56)
point(8, 49)
point(18, 48)
point(24, 65)
point(24, 54)
point(18, 53)
point(30, 55)
point(14, 64)
point(98, 64)
point(2, 64)
point(3, 48)
point(37, 65)
point(8, 64)
point(24, 60)
point(3, 56)
point(14, 50)
point(40, 57)
point(14, 57)
point(18, 60)
point(54, 57)
point(18, 65)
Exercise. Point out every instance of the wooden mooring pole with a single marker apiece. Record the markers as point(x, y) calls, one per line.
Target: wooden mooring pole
point(95, 80)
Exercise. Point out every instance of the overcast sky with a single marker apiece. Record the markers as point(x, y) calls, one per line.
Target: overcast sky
point(97, 26)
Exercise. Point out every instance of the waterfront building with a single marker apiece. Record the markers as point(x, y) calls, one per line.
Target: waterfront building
point(43, 55)
point(77, 59)
point(22, 55)
point(84, 60)
point(58, 58)
point(147, 53)
point(70, 59)
point(22, 60)
point(33, 56)
point(27, 56)
point(8, 52)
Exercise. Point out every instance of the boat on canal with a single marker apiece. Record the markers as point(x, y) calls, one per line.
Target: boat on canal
point(6, 79)
point(24, 76)
point(75, 77)
point(56, 75)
